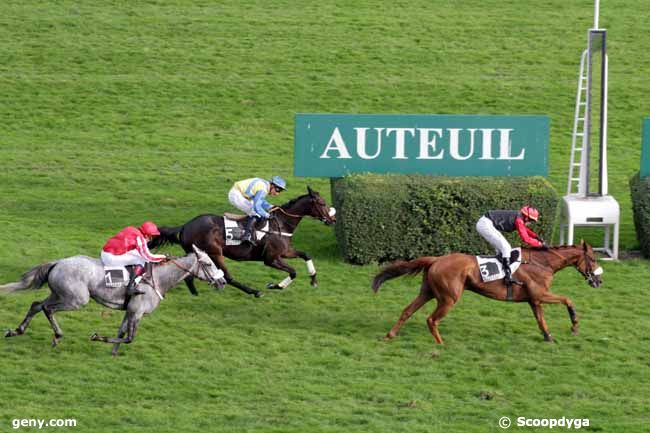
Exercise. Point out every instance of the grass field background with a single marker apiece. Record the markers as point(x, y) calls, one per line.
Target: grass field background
point(114, 112)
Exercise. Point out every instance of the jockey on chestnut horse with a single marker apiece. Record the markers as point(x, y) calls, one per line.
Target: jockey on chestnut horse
point(446, 277)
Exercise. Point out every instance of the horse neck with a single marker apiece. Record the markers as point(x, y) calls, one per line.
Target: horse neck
point(168, 275)
point(559, 258)
point(291, 215)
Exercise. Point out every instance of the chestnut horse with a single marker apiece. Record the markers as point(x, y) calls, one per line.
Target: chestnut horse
point(446, 277)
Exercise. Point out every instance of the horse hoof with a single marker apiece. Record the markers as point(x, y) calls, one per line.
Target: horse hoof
point(314, 285)
point(259, 294)
point(273, 286)
point(94, 337)
point(575, 331)
point(10, 333)
point(55, 342)
point(549, 338)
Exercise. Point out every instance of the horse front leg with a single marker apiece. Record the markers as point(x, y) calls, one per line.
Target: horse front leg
point(219, 261)
point(311, 269)
point(189, 282)
point(132, 325)
point(538, 311)
point(120, 334)
point(280, 264)
point(550, 298)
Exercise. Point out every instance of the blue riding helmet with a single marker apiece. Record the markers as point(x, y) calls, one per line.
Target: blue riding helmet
point(280, 183)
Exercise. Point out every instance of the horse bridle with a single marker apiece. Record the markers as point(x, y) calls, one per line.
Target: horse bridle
point(589, 273)
point(322, 219)
point(200, 265)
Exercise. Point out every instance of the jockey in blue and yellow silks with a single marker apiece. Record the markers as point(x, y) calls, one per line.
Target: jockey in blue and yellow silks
point(249, 196)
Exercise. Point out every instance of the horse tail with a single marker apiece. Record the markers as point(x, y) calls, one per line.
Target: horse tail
point(402, 267)
point(168, 235)
point(32, 279)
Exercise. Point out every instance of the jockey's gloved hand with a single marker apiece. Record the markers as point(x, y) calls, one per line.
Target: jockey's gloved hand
point(544, 246)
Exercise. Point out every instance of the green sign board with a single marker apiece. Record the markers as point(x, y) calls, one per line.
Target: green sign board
point(645, 149)
point(333, 145)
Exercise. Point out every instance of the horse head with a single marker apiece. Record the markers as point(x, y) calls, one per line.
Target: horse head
point(588, 266)
point(208, 271)
point(313, 205)
point(319, 208)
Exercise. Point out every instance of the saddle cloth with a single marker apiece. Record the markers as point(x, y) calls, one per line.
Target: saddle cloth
point(116, 276)
point(233, 231)
point(492, 269)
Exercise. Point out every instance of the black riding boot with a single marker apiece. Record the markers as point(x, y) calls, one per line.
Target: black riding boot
point(505, 261)
point(249, 230)
point(131, 289)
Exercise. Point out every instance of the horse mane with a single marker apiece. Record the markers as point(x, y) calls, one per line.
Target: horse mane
point(293, 201)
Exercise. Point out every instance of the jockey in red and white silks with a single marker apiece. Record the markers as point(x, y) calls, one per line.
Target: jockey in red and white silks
point(494, 222)
point(129, 247)
point(490, 226)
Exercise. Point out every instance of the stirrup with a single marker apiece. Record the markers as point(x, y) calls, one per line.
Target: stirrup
point(511, 281)
point(132, 288)
point(134, 291)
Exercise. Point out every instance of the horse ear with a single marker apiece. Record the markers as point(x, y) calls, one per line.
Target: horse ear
point(196, 249)
point(310, 191)
point(583, 244)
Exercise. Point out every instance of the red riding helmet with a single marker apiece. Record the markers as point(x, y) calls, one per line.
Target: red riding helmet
point(149, 228)
point(530, 212)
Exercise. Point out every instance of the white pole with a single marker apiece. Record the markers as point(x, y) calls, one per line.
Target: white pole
point(596, 13)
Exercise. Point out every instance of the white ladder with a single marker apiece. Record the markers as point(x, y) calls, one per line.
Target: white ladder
point(580, 128)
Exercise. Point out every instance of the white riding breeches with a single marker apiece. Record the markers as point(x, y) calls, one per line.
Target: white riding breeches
point(238, 200)
point(486, 229)
point(129, 258)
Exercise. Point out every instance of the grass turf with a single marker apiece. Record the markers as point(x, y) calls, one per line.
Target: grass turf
point(113, 113)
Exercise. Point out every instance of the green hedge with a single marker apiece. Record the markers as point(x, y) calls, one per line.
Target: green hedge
point(640, 191)
point(386, 217)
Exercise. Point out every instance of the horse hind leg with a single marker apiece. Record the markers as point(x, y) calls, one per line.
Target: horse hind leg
point(58, 332)
point(444, 305)
point(424, 297)
point(63, 300)
point(33, 310)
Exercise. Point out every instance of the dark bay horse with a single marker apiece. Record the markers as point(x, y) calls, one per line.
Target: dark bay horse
point(446, 277)
point(208, 233)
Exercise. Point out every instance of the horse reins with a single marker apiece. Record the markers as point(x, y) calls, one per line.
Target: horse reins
point(189, 271)
point(285, 212)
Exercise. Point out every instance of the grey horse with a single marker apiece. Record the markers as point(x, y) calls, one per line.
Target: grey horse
point(74, 280)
